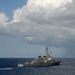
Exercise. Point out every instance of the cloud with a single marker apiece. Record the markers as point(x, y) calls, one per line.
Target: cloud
point(2, 8)
point(3, 23)
point(3, 18)
point(43, 22)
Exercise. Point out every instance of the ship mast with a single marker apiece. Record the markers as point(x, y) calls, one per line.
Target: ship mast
point(47, 54)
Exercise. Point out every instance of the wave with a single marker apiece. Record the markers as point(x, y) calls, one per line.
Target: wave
point(6, 68)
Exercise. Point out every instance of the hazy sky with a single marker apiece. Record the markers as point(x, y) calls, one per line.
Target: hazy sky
point(28, 26)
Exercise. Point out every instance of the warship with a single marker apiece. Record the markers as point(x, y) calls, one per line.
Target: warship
point(40, 61)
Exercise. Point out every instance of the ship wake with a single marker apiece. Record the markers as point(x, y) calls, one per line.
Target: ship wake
point(6, 68)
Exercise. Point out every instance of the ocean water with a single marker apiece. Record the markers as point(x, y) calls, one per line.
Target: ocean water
point(8, 66)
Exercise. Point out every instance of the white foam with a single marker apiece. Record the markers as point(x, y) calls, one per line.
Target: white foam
point(6, 68)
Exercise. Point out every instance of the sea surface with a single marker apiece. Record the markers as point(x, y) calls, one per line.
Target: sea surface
point(8, 66)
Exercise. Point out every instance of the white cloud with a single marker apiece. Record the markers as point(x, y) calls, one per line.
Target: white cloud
point(44, 21)
point(3, 23)
point(2, 8)
point(3, 18)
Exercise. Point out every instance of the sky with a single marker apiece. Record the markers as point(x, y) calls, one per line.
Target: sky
point(27, 27)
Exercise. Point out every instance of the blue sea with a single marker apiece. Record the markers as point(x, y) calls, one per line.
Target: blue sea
point(8, 66)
